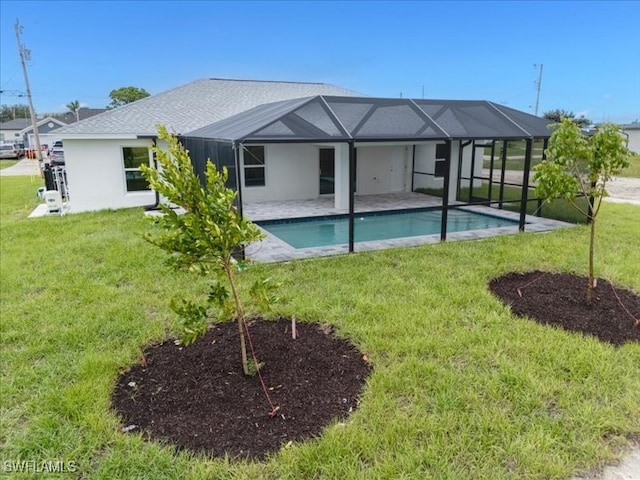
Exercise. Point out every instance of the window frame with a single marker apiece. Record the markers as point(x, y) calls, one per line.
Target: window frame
point(126, 169)
point(263, 166)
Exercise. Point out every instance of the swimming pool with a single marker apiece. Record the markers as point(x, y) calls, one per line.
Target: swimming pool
point(334, 230)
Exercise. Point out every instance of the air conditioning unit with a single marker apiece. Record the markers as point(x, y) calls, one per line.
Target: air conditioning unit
point(53, 199)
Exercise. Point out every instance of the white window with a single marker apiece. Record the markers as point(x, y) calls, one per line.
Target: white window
point(134, 157)
point(254, 166)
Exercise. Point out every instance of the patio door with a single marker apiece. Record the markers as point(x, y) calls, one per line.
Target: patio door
point(327, 171)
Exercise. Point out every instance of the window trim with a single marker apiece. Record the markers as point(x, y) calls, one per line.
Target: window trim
point(263, 167)
point(130, 169)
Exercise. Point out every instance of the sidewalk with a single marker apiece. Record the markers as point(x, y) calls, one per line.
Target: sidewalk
point(24, 167)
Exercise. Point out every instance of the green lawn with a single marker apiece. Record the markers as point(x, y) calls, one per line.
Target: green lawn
point(7, 163)
point(634, 168)
point(461, 389)
point(558, 209)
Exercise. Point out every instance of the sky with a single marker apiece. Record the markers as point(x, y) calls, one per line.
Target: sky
point(588, 52)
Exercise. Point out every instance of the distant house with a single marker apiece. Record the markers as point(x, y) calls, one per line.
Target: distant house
point(10, 131)
point(46, 127)
point(286, 141)
point(21, 129)
point(633, 132)
point(83, 113)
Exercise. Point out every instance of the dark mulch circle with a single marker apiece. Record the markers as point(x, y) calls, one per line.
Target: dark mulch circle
point(559, 299)
point(196, 397)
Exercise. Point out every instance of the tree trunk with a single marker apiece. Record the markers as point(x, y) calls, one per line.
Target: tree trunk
point(591, 248)
point(239, 318)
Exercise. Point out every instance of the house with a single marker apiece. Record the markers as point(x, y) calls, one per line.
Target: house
point(82, 113)
point(103, 153)
point(46, 127)
point(285, 141)
point(10, 130)
point(632, 131)
point(21, 130)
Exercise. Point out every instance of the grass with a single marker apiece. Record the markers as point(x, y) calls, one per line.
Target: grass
point(634, 168)
point(7, 163)
point(558, 209)
point(460, 389)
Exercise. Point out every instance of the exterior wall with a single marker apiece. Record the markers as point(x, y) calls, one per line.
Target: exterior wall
point(381, 169)
point(292, 173)
point(95, 173)
point(425, 161)
point(10, 136)
point(634, 139)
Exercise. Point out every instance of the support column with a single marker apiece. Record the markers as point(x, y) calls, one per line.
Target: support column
point(352, 189)
point(341, 185)
point(525, 184)
point(446, 193)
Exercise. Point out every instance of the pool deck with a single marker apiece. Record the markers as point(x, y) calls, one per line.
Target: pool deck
point(272, 249)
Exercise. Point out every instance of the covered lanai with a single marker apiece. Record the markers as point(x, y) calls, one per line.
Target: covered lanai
point(345, 147)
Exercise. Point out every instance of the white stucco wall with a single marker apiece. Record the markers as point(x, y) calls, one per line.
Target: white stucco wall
point(634, 139)
point(292, 173)
point(381, 169)
point(95, 173)
point(425, 162)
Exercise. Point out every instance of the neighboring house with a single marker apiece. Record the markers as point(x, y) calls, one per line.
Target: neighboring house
point(83, 113)
point(10, 130)
point(291, 141)
point(21, 129)
point(46, 127)
point(633, 132)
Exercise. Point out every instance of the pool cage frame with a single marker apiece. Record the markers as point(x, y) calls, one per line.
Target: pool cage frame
point(223, 141)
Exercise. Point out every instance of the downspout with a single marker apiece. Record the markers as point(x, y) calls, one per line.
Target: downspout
point(155, 165)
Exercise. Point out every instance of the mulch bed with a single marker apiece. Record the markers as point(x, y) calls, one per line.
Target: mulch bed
point(196, 397)
point(559, 299)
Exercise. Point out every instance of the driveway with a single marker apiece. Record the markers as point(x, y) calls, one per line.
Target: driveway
point(26, 166)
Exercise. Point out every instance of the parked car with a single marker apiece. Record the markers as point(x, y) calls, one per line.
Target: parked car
point(20, 148)
point(56, 156)
point(57, 144)
point(9, 151)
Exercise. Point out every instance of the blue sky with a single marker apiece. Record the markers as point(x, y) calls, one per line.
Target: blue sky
point(455, 50)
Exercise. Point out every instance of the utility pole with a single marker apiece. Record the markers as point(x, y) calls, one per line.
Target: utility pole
point(538, 85)
point(25, 55)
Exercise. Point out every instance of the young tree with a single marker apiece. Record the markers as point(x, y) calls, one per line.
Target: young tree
point(124, 95)
point(581, 165)
point(204, 239)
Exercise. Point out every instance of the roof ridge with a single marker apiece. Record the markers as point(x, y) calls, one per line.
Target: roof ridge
point(268, 81)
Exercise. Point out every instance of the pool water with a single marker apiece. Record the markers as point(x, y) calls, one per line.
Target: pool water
point(324, 231)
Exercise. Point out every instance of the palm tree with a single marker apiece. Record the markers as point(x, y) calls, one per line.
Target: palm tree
point(74, 107)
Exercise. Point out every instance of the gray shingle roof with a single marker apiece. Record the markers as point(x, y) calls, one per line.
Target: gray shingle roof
point(70, 117)
point(17, 124)
point(195, 105)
